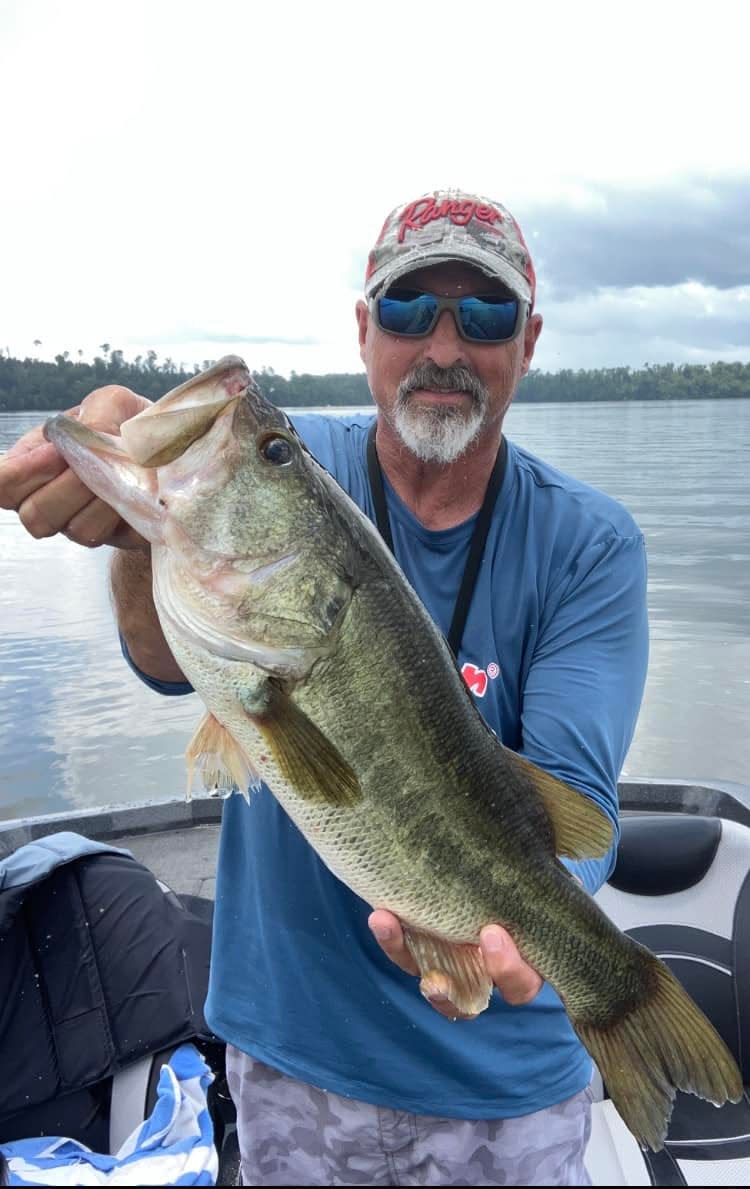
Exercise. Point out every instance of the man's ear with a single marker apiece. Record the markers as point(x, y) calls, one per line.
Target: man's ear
point(363, 318)
point(531, 332)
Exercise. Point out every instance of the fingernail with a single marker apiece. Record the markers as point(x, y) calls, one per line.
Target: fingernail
point(493, 941)
point(434, 986)
point(382, 932)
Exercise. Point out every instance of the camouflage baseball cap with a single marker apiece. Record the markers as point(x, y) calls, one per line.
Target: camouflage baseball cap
point(452, 225)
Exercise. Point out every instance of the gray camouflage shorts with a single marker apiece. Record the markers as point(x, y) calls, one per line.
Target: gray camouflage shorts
point(294, 1134)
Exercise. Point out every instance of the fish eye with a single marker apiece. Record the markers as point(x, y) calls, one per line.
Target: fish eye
point(276, 450)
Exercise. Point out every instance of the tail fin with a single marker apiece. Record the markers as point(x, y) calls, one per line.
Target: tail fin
point(662, 1045)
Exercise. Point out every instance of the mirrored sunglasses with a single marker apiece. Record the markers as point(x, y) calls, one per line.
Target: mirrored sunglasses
point(411, 314)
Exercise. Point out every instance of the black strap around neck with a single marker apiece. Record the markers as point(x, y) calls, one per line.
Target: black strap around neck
point(478, 539)
point(377, 489)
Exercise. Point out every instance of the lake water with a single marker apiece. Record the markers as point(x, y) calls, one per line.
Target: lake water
point(78, 729)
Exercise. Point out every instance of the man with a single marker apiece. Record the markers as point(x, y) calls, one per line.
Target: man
point(340, 1071)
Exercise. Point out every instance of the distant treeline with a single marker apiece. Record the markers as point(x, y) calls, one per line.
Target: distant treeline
point(38, 384)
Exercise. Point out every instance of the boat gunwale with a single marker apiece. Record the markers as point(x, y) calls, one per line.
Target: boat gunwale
point(724, 799)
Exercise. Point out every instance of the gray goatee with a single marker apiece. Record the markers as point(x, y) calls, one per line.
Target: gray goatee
point(440, 433)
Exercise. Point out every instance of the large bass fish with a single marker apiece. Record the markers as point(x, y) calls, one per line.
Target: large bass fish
point(295, 625)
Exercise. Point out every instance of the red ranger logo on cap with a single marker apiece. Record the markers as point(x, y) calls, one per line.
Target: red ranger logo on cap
point(425, 210)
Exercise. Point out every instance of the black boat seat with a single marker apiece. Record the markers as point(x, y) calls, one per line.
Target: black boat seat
point(681, 886)
point(664, 852)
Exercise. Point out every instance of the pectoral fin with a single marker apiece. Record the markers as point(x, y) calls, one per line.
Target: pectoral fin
point(224, 764)
point(582, 830)
point(308, 760)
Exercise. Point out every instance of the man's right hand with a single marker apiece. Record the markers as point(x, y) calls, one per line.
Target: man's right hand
point(37, 483)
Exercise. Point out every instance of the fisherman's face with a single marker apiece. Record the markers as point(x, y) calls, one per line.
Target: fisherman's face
point(442, 394)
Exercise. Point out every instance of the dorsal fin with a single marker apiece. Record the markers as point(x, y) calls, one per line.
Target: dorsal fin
point(582, 830)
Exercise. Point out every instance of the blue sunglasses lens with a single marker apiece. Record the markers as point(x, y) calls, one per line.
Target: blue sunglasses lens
point(488, 320)
point(482, 319)
point(407, 315)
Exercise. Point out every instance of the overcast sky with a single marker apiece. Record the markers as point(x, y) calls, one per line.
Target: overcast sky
point(204, 178)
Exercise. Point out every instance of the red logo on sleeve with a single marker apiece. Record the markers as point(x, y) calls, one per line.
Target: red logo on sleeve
point(478, 679)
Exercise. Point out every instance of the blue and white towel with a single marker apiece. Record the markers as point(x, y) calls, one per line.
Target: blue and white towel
point(174, 1146)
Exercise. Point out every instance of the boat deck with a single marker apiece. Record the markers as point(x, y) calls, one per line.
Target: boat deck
point(177, 840)
point(185, 860)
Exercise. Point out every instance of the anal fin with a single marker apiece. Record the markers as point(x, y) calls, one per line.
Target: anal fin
point(224, 765)
point(456, 971)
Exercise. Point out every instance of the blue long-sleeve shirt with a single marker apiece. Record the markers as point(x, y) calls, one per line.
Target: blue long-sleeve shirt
point(555, 650)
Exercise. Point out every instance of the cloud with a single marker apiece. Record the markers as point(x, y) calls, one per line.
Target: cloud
point(635, 274)
point(690, 313)
point(602, 236)
point(193, 335)
point(687, 323)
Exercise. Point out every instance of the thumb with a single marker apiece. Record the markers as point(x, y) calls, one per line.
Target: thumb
point(106, 408)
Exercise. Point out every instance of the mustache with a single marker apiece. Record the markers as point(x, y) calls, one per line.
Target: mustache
point(442, 379)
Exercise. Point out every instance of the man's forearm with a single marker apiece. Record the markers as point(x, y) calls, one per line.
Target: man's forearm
point(136, 615)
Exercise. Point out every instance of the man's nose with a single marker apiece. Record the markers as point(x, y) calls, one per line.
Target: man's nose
point(444, 346)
